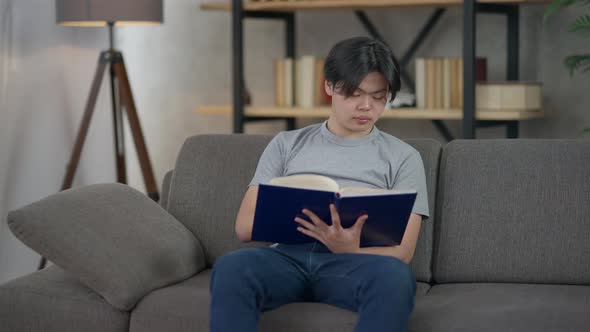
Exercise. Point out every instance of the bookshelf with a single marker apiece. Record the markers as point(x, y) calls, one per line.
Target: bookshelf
point(469, 116)
point(294, 5)
point(407, 113)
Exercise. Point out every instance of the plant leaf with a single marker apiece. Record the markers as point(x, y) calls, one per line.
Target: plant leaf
point(581, 26)
point(579, 62)
point(586, 130)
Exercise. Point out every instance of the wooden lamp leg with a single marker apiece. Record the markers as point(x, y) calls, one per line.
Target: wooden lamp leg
point(140, 146)
point(83, 129)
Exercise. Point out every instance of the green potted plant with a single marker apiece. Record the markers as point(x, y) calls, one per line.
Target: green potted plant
point(581, 26)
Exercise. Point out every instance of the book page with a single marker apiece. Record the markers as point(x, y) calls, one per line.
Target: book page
point(360, 191)
point(306, 181)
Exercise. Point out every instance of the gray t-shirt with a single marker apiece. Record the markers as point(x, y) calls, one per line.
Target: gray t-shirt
point(377, 160)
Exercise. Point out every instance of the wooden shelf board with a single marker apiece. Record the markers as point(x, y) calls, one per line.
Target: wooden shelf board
point(289, 6)
point(398, 113)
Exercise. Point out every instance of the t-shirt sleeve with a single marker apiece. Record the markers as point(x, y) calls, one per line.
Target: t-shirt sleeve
point(411, 176)
point(271, 163)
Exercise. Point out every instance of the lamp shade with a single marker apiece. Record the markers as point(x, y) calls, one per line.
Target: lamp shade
point(100, 12)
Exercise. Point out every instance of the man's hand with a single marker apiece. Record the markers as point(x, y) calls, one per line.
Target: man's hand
point(338, 239)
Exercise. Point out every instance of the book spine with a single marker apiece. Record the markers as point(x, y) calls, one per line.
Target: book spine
point(305, 81)
point(438, 83)
point(420, 83)
point(279, 67)
point(288, 79)
point(446, 83)
point(430, 86)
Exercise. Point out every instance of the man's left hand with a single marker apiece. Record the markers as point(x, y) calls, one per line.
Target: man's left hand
point(338, 239)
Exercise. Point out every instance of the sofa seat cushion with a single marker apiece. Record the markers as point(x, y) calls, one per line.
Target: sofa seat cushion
point(503, 307)
point(185, 307)
point(52, 301)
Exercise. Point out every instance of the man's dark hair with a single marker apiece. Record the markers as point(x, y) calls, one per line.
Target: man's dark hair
point(350, 60)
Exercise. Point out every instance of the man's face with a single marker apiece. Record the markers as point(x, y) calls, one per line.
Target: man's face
point(354, 116)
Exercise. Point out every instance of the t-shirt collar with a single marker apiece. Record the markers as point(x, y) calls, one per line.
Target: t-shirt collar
point(347, 141)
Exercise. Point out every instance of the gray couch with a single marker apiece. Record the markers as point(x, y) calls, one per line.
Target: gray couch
point(507, 247)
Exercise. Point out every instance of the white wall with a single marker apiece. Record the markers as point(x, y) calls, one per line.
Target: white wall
point(46, 71)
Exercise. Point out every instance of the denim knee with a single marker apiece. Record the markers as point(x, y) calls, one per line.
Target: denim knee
point(233, 266)
point(392, 275)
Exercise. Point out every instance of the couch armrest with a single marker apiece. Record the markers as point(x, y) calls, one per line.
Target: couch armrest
point(112, 238)
point(166, 189)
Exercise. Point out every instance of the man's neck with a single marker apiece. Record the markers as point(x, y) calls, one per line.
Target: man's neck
point(341, 132)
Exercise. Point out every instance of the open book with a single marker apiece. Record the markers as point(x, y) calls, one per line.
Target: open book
point(280, 201)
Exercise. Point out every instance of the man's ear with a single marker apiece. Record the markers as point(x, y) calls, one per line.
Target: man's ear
point(328, 88)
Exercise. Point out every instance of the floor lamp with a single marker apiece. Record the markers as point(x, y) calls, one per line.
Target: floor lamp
point(110, 13)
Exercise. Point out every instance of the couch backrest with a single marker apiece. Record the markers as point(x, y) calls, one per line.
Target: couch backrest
point(514, 211)
point(210, 177)
point(212, 173)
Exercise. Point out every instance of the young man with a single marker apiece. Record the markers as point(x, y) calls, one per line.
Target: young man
point(361, 74)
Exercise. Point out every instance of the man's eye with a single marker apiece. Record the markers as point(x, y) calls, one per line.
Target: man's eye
point(378, 97)
point(356, 95)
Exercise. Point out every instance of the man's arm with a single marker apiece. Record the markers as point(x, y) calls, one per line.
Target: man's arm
point(245, 218)
point(404, 251)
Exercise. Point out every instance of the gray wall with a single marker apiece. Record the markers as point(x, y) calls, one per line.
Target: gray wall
point(46, 70)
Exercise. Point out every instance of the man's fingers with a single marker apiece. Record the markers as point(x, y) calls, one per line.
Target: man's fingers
point(335, 216)
point(360, 222)
point(314, 218)
point(305, 223)
point(310, 233)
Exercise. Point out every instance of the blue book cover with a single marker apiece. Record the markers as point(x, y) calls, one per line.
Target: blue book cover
point(277, 207)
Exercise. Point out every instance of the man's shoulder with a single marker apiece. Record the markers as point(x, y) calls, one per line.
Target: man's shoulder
point(396, 145)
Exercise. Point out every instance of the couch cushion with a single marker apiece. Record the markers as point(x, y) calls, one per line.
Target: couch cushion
point(52, 301)
point(514, 211)
point(207, 175)
point(112, 238)
point(503, 307)
point(185, 307)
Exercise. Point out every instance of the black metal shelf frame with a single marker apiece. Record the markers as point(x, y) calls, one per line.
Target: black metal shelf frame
point(470, 9)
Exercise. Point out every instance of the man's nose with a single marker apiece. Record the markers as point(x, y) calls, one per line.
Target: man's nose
point(365, 102)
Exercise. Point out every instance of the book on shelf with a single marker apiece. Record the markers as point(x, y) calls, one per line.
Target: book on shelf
point(321, 98)
point(304, 81)
point(283, 74)
point(288, 78)
point(428, 82)
point(420, 89)
point(279, 71)
point(284, 198)
point(446, 83)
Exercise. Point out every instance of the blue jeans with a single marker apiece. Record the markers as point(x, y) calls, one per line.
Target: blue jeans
point(248, 281)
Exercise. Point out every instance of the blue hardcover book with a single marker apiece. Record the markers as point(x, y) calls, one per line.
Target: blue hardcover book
point(280, 201)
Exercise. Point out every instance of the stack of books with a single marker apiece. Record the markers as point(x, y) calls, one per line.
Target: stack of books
point(439, 82)
point(300, 82)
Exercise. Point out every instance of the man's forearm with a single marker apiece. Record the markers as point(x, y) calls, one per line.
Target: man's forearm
point(398, 252)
